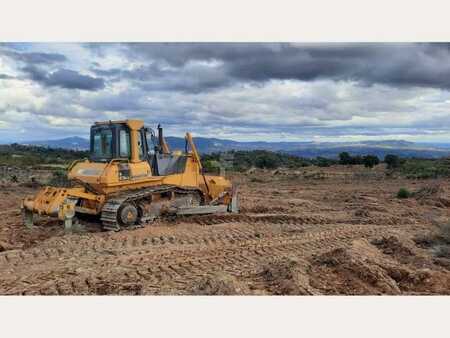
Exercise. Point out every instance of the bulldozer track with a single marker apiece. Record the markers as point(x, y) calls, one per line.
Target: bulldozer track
point(112, 205)
point(160, 266)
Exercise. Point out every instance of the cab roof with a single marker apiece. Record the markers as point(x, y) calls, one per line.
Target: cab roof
point(133, 124)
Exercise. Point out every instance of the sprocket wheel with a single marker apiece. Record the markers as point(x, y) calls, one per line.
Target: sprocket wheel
point(127, 215)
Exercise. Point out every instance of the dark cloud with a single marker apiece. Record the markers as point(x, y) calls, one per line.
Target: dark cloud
point(6, 77)
point(37, 65)
point(35, 73)
point(36, 58)
point(64, 78)
point(155, 77)
point(70, 79)
point(422, 65)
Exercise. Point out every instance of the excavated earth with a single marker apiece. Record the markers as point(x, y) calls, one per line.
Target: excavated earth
point(315, 231)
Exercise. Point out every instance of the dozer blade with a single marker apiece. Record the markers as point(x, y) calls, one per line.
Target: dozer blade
point(53, 202)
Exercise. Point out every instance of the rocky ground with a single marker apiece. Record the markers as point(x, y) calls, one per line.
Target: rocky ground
point(336, 231)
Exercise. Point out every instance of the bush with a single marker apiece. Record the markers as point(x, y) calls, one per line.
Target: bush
point(370, 161)
point(423, 169)
point(324, 162)
point(211, 166)
point(392, 161)
point(345, 158)
point(403, 193)
point(267, 161)
point(22, 155)
point(243, 160)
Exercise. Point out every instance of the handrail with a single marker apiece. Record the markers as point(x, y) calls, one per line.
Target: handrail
point(69, 168)
point(194, 150)
point(197, 158)
point(110, 163)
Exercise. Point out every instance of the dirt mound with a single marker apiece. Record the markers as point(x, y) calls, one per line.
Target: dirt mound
point(285, 276)
point(4, 246)
point(363, 213)
point(220, 284)
point(406, 279)
point(432, 194)
point(341, 272)
point(393, 247)
point(363, 269)
point(442, 262)
point(428, 191)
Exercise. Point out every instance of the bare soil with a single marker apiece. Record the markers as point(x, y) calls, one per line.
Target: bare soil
point(338, 230)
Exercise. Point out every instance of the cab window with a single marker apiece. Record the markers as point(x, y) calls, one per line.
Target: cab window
point(103, 143)
point(124, 144)
point(141, 145)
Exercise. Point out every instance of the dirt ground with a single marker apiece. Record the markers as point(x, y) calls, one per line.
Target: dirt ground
point(315, 231)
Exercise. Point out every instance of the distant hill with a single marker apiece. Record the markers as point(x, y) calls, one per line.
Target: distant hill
point(378, 148)
point(301, 149)
point(74, 143)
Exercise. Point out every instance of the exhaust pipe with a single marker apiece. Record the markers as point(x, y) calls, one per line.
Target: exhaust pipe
point(162, 142)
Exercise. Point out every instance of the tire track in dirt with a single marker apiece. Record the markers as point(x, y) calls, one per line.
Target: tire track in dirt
point(178, 269)
point(79, 245)
point(289, 219)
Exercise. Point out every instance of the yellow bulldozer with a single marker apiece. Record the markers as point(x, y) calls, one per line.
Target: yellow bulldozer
point(132, 178)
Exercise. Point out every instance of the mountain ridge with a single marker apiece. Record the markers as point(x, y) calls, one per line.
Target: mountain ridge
point(307, 149)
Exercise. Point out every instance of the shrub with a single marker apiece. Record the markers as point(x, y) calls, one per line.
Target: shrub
point(211, 166)
point(267, 161)
point(324, 162)
point(423, 169)
point(370, 161)
point(345, 158)
point(403, 193)
point(392, 161)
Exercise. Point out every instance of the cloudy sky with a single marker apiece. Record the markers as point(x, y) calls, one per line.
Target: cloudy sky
point(274, 92)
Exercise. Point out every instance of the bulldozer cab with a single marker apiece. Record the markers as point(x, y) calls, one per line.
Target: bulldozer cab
point(113, 141)
point(121, 141)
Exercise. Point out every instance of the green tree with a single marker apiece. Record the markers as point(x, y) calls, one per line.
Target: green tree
point(345, 158)
point(370, 161)
point(392, 161)
point(267, 160)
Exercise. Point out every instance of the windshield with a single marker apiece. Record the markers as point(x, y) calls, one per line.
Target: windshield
point(102, 143)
